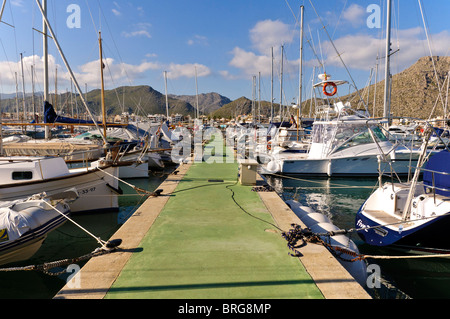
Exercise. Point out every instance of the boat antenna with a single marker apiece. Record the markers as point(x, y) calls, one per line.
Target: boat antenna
point(339, 55)
point(47, 23)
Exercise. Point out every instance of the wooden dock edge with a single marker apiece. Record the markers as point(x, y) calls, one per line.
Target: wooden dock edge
point(96, 277)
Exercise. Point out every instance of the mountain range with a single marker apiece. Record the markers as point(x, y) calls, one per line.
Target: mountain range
point(414, 94)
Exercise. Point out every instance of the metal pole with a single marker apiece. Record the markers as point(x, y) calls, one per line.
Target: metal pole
point(167, 99)
point(301, 69)
point(271, 96)
point(103, 84)
point(45, 58)
point(69, 69)
point(387, 77)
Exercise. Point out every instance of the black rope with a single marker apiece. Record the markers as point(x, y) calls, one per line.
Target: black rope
point(242, 208)
point(298, 237)
point(46, 268)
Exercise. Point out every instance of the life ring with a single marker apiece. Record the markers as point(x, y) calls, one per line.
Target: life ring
point(325, 89)
point(269, 145)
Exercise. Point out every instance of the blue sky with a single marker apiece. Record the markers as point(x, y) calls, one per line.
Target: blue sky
point(226, 41)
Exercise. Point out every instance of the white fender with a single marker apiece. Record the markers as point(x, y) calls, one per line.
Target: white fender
point(310, 220)
point(319, 223)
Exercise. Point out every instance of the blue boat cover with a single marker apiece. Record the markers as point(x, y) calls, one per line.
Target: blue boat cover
point(439, 162)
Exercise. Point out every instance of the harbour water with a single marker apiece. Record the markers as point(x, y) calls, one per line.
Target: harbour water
point(69, 241)
point(339, 199)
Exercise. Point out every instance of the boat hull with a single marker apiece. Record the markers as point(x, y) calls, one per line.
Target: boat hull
point(97, 191)
point(346, 166)
point(40, 221)
point(426, 236)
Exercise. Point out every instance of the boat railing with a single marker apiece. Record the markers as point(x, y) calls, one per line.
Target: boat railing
point(432, 188)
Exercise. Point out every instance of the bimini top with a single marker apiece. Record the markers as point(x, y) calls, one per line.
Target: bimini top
point(438, 166)
point(326, 78)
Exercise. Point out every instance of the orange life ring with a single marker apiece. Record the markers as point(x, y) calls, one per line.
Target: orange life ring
point(325, 89)
point(269, 145)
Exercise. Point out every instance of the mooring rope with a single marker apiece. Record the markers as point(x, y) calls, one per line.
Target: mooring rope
point(98, 239)
point(298, 237)
point(319, 182)
point(137, 189)
point(47, 267)
point(106, 247)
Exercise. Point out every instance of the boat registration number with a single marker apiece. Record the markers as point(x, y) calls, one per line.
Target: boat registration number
point(86, 190)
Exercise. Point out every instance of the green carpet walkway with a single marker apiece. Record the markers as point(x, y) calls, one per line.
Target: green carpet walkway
point(204, 246)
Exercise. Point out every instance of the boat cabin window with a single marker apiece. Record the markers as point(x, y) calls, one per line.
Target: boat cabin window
point(363, 137)
point(18, 176)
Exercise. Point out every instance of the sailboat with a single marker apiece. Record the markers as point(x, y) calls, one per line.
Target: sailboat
point(24, 176)
point(414, 216)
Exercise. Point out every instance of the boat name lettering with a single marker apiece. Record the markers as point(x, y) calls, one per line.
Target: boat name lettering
point(360, 224)
point(87, 190)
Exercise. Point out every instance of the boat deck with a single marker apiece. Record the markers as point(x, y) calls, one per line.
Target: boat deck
point(209, 237)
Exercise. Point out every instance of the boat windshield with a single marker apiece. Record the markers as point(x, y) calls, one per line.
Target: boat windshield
point(361, 135)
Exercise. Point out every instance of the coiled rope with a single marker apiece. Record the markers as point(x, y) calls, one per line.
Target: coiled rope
point(298, 237)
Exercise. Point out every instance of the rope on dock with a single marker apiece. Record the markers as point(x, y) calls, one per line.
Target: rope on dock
point(47, 267)
point(298, 237)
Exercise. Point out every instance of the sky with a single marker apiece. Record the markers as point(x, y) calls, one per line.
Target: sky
point(222, 46)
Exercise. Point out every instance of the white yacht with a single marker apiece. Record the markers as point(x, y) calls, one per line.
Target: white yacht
point(343, 142)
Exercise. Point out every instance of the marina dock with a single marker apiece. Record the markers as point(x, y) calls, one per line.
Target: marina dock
point(209, 237)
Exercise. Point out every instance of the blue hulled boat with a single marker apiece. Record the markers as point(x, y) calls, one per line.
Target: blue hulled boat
point(414, 215)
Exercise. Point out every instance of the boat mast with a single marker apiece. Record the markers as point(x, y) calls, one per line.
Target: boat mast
point(47, 23)
point(45, 58)
point(167, 99)
point(300, 78)
point(387, 81)
point(271, 96)
point(281, 85)
point(299, 111)
point(103, 84)
point(23, 89)
point(196, 93)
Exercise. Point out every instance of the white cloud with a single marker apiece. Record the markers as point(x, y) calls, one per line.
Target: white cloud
point(360, 51)
point(139, 33)
point(264, 35)
point(198, 39)
point(175, 71)
point(268, 33)
point(250, 63)
point(17, 3)
point(227, 75)
point(354, 14)
point(89, 73)
point(113, 72)
point(8, 70)
point(116, 12)
point(141, 29)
